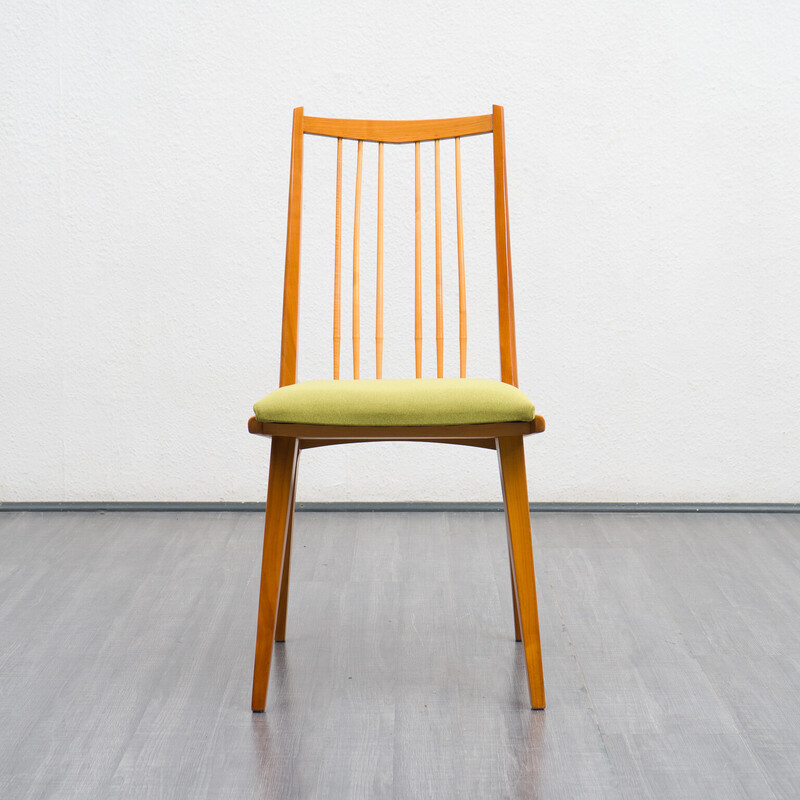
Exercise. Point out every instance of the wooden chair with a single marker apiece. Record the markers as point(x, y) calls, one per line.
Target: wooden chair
point(488, 414)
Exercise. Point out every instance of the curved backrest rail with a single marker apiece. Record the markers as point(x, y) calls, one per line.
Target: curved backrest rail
point(397, 131)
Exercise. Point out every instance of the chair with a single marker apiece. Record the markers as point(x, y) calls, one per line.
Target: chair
point(479, 413)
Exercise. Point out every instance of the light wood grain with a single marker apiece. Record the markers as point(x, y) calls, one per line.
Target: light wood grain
point(283, 599)
point(505, 290)
point(378, 433)
point(439, 305)
point(337, 278)
point(396, 132)
point(487, 444)
point(379, 276)
point(356, 239)
point(282, 464)
point(462, 281)
point(417, 262)
point(508, 436)
point(514, 600)
point(399, 131)
point(511, 455)
point(291, 277)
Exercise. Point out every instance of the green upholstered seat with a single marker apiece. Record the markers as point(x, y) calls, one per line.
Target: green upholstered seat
point(442, 401)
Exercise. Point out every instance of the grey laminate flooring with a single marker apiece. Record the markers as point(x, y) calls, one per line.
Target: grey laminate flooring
point(671, 653)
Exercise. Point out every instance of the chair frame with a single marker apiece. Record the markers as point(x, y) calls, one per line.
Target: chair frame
point(288, 439)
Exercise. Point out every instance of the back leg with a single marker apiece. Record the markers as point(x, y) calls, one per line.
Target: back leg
point(280, 624)
point(514, 601)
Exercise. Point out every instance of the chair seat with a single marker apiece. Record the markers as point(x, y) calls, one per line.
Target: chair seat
point(425, 401)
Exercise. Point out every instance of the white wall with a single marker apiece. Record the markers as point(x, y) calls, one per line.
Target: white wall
point(655, 221)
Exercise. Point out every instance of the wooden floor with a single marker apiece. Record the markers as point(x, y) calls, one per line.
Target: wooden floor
point(671, 653)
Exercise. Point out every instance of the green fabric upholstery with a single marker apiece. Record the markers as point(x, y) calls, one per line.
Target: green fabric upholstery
point(443, 401)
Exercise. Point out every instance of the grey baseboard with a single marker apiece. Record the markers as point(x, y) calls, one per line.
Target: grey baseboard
point(747, 508)
point(714, 508)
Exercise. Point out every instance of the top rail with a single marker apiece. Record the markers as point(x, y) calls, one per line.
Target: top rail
point(398, 132)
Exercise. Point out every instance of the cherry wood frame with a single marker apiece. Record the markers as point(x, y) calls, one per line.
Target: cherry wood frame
point(288, 440)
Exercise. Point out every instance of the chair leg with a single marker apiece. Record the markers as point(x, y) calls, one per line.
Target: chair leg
point(282, 465)
point(514, 601)
point(515, 495)
point(280, 623)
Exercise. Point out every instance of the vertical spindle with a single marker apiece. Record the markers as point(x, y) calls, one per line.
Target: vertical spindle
point(462, 286)
point(439, 311)
point(417, 262)
point(379, 277)
point(356, 232)
point(337, 279)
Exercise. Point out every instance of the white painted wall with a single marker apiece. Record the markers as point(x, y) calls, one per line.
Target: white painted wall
point(655, 212)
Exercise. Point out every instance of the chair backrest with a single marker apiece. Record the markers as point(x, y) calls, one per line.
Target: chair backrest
point(398, 132)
